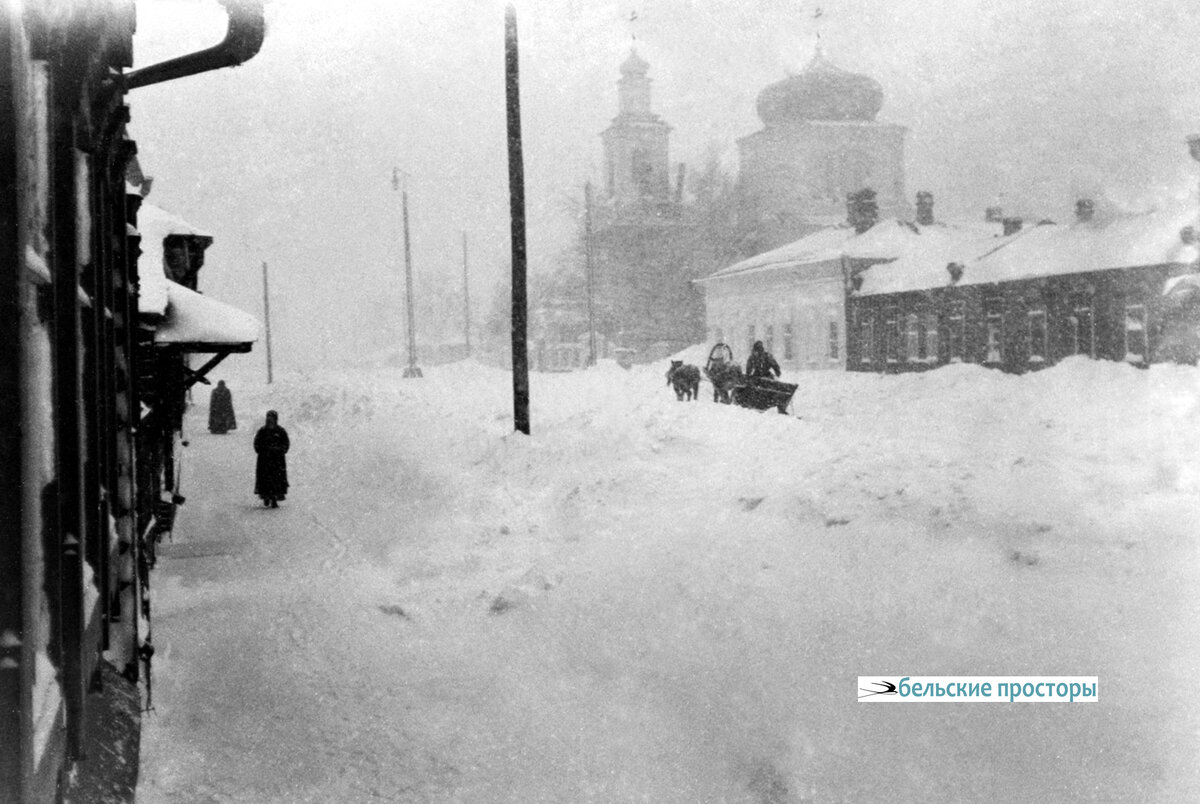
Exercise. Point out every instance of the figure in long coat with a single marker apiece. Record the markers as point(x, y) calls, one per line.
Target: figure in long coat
point(270, 473)
point(220, 410)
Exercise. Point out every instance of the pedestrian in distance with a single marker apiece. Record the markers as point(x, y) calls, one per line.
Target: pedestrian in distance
point(761, 363)
point(220, 410)
point(270, 472)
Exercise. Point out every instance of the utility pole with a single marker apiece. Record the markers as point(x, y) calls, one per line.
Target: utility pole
point(466, 299)
point(412, 370)
point(588, 267)
point(267, 319)
point(516, 194)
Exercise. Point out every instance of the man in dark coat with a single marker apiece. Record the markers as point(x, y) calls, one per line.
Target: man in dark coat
point(270, 473)
point(220, 410)
point(761, 363)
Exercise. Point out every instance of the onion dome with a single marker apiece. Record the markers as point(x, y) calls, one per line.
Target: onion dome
point(634, 65)
point(821, 91)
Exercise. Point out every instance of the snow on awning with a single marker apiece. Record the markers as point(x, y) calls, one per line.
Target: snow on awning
point(152, 286)
point(201, 324)
point(155, 225)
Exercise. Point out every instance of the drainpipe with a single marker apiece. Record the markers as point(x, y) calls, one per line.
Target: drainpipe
point(242, 41)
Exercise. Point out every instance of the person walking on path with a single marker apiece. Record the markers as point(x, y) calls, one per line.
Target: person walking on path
point(270, 472)
point(761, 363)
point(220, 410)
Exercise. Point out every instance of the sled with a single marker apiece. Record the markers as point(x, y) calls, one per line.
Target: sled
point(761, 393)
point(730, 384)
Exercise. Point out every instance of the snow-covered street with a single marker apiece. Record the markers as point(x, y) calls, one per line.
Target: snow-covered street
point(649, 600)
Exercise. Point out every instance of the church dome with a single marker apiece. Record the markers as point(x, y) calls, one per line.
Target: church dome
point(821, 91)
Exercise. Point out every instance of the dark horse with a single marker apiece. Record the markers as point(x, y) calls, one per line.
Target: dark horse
point(685, 378)
point(724, 373)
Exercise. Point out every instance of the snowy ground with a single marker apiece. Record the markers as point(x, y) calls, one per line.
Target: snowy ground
point(658, 601)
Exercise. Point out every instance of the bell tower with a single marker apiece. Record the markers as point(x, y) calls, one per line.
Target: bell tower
point(636, 166)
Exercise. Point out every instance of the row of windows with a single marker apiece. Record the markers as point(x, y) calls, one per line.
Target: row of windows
point(787, 342)
point(919, 340)
point(832, 348)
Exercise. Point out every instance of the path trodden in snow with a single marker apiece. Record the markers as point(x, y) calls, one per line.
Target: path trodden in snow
point(671, 602)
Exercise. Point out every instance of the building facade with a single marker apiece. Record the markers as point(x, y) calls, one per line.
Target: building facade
point(1122, 289)
point(76, 388)
point(790, 298)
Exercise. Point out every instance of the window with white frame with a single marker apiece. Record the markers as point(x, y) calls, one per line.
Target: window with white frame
point(912, 338)
point(931, 337)
point(1136, 350)
point(1038, 334)
point(993, 312)
point(789, 345)
point(834, 349)
point(1083, 329)
point(955, 332)
point(866, 339)
point(891, 334)
point(927, 347)
point(769, 338)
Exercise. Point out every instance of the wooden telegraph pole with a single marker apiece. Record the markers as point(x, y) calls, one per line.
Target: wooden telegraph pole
point(466, 299)
point(516, 192)
point(267, 321)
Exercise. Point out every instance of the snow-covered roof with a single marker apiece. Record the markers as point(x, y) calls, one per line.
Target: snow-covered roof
point(155, 224)
point(923, 263)
point(192, 318)
point(1043, 250)
point(820, 246)
point(152, 286)
point(888, 239)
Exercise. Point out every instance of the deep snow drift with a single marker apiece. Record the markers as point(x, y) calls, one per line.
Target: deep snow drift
point(649, 600)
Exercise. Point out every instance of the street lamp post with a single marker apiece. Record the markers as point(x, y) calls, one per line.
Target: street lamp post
point(589, 267)
point(412, 370)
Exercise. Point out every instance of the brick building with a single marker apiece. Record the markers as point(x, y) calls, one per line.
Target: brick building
point(1119, 288)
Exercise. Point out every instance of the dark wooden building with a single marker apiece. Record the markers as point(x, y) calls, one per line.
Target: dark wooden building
point(76, 382)
point(1107, 289)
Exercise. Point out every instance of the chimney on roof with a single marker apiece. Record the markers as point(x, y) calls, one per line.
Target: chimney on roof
point(993, 214)
point(925, 208)
point(1085, 208)
point(862, 211)
point(955, 270)
point(1011, 225)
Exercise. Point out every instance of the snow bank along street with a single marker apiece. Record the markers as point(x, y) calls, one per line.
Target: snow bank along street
point(649, 600)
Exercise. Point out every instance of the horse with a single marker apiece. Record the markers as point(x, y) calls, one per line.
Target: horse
point(725, 377)
point(686, 379)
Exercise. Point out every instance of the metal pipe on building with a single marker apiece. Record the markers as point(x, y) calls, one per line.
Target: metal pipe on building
point(243, 39)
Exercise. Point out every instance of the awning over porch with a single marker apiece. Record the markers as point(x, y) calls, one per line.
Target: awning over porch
point(197, 323)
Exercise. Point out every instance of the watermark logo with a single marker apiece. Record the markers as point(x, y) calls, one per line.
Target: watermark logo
point(883, 687)
point(978, 689)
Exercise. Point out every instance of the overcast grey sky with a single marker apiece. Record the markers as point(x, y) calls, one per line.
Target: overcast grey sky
point(288, 158)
